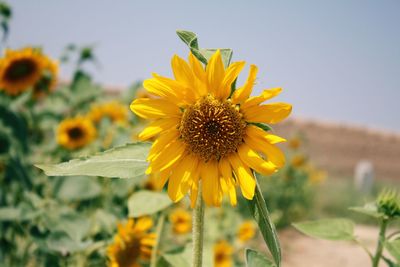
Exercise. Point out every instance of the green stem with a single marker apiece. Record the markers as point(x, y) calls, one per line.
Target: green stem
point(365, 248)
point(198, 229)
point(381, 243)
point(159, 230)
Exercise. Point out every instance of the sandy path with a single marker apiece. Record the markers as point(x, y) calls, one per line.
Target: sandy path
point(302, 251)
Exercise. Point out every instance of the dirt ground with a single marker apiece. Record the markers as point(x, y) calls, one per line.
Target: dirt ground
point(302, 251)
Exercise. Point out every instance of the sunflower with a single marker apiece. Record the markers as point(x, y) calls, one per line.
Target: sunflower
point(114, 111)
point(246, 231)
point(132, 243)
point(181, 221)
point(20, 69)
point(222, 254)
point(75, 132)
point(206, 133)
point(48, 80)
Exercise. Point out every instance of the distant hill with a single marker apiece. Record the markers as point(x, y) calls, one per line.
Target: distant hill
point(337, 147)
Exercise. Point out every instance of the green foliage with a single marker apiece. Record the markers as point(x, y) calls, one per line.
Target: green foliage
point(330, 229)
point(145, 202)
point(394, 248)
point(190, 39)
point(256, 259)
point(128, 161)
point(260, 213)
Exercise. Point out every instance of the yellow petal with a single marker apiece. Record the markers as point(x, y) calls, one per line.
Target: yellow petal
point(178, 184)
point(270, 113)
point(182, 72)
point(259, 133)
point(215, 72)
point(212, 194)
point(197, 68)
point(158, 126)
point(187, 94)
point(271, 152)
point(231, 74)
point(252, 159)
point(168, 157)
point(244, 92)
point(162, 141)
point(158, 88)
point(244, 176)
point(265, 95)
point(143, 224)
point(226, 172)
point(154, 108)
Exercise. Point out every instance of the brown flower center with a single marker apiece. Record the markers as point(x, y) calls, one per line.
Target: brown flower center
point(129, 254)
point(212, 128)
point(76, 133)
point(20, 69)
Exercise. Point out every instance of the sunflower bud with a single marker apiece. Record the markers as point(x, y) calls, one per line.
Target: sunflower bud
point(388, 202)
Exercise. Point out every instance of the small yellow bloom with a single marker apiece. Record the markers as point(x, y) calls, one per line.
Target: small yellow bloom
point(48, 81)
point(223, 254)
point(299, 160)
point(203, 132)
point(294, 143)
point(132, 243)
point(114, 111)
point(75, 132)
point(154, 182)
point(181, 221)
point(316, 176)
point(23, 69)
point(246, 231)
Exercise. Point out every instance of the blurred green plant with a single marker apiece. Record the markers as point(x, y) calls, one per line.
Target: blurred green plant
point(385, 210)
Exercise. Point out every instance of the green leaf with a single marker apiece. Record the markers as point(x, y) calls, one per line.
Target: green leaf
point(226, 54)
point(79, 188)
point(394, 249)
point(190, 39)
point(9, 214)
point(256, 259)
point(260, 213)
point(61, 242)
point(128, 161)
point(263, 126)
point(147, 203)
point(330, 229)
point(369, 209)
point(176, 259)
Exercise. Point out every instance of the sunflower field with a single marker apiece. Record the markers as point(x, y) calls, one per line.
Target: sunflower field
point(172, 171)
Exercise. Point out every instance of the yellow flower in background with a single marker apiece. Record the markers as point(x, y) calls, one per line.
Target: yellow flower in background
point(316, 176)
point(22, 69)
point(223, 254)
point(246, 231)
point(132, 243)
point(153, 182)
point(294, 143)
point(75, 132)
point(204, 133)
point(48, 81)
point(298, 160)
point(181, 221)
point(114, 111)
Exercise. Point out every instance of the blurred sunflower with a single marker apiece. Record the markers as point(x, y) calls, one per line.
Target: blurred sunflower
point(223, 254)
point(48, 80)
point(153, 182)
point(75, 132)
point(203, 132)
point(299, 160)
point(246, 231)
point(114, 111)
point(181, 221)
point(21, 69)
point(132, 243)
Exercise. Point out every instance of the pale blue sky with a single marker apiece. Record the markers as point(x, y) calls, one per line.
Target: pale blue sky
point(336, 60)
